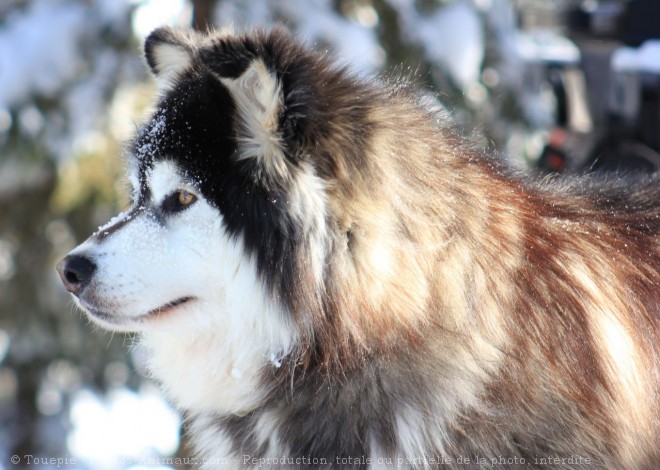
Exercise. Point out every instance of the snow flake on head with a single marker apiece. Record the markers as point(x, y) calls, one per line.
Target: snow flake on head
point(150, 136)
point(122, 217)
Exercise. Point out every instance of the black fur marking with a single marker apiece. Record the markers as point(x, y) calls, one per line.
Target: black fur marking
point(194, 126)
point(229, 58)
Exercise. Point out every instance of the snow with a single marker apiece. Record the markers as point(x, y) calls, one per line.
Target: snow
point(40, 47)
point(152, 14)
point(151, 135)
point(452, 36)
point(547, 46)
point(122, 425)
point(353, 41)
point(115, 220)
point(52, 49)
point(646, 58)
point(48, 35)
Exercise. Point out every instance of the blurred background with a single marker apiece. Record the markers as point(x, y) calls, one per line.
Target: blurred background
point(549, 86)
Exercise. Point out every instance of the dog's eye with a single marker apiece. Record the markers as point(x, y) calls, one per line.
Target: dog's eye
point(178, 201)
point(186, 198)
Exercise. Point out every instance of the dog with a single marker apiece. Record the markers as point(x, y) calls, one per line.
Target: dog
point(324, 273)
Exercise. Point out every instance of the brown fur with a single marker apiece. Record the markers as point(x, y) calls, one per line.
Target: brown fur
point(546, 296)
point(461, 311)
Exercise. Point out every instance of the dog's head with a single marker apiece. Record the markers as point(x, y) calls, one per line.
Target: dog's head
point(270, 189)
point(228, 224)
point(224, 202)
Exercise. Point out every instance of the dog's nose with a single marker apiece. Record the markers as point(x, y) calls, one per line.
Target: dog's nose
point(76, 271)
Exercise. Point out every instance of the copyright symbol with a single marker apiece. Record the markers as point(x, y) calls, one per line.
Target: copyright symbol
point(15, 459)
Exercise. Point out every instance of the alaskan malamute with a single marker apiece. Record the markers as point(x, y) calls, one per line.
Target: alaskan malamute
point(325, 275)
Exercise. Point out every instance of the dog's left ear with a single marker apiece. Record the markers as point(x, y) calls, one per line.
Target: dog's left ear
point(169, 53)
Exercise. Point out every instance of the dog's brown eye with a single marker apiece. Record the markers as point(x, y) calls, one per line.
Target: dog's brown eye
point(178, 201)
point(186, 198)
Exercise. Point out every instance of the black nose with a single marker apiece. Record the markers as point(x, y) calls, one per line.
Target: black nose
point(76, 271)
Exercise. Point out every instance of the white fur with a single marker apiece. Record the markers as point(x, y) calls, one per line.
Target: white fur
point(171, 61)
point(214, 444)
point(308, 205)
point(414, 432)
point(208, 353)
point(267, 435)
point(164, 179)
point(621, 357)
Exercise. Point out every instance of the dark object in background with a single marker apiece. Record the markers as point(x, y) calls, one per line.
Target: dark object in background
point(624, 89)
point(630, 21)
point(553, 158)
point(640, 22)
point(203, 14)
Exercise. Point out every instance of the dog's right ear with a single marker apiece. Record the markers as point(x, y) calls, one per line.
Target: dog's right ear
point(169, 53)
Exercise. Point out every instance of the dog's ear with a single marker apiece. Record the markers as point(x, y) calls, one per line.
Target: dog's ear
point(257, 93)
point(169, 53)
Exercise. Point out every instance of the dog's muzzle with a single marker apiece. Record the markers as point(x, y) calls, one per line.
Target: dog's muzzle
point(76, 272)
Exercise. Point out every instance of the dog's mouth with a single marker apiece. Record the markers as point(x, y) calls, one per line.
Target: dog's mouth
point(155, 313)
point(168, 307)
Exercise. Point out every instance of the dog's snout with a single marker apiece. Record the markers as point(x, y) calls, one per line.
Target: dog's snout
point(76, 272)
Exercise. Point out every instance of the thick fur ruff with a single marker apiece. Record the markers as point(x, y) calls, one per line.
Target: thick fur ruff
point(352, 285)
